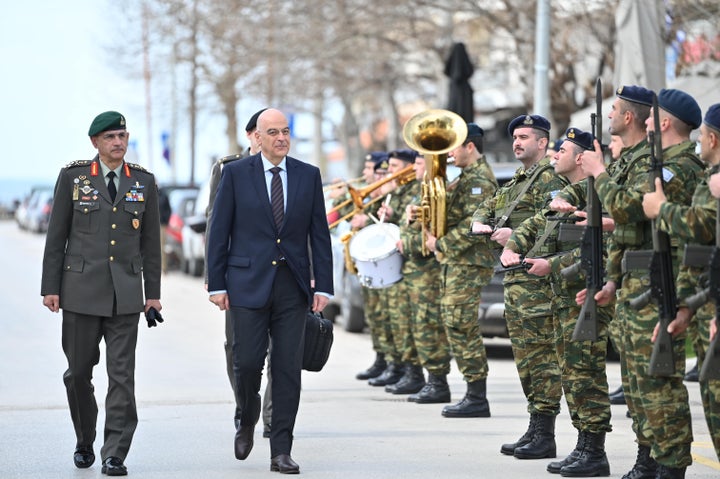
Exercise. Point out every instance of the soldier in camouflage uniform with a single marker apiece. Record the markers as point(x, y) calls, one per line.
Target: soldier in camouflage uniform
point(666, 430)
point(695, 224)
point(527, 297)
point(422, 275)
point(398, 306)
point(467, 266)
point(403, 363)
point(374, 170)
point(582, 362)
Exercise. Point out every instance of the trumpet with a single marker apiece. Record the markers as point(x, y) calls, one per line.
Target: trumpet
point(434, 133)
point(342, 184)
point(357, 196)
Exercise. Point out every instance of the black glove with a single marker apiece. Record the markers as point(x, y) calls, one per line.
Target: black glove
point(153, 317)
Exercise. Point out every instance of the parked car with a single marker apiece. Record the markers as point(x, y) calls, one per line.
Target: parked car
point(193, 234)
point(30, 206)
point(182, 202)
point(38, 213)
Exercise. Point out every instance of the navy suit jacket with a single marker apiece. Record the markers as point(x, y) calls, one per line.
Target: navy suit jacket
point(244, 244)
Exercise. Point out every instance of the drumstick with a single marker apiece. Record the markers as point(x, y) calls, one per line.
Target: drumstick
point(385, 204)
point(372, 217)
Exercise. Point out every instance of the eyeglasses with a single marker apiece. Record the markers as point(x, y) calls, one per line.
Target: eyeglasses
point(111, 136)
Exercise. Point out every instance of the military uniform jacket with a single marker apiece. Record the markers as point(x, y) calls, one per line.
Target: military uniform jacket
point(475, 184)
point(98, 252)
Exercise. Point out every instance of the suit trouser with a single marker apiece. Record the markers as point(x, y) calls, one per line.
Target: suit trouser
point(267, 396)
point(81, 335)
point(284, 317)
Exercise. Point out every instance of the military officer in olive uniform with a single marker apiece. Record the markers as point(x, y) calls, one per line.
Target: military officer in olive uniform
point(102, 267)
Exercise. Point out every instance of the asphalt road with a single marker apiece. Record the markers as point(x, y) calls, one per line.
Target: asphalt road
point(345, 428)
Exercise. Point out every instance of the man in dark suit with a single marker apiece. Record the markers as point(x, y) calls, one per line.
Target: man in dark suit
point(102, 252)
point(268, 229)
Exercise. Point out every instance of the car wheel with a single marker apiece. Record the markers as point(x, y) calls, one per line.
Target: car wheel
point(353, 315)
point(331, 311)
point(195, 267)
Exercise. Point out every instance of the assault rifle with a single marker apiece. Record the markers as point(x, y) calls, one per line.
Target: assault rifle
point(711, 365)
point(591, 244)
point(662, 278)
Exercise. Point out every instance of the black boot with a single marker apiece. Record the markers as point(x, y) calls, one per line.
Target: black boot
point(474, 404)
point(593, 461)
point(375, 370)
point(617, 396)
point(693, 375)
point(412, 381)
point(542, 444)
point(392, 374)
point(555, 466)
point(509, 449)
point(645, 466)
point(665, 472)
point(436, 391)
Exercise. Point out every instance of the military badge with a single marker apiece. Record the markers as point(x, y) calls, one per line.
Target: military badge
point(136, 223)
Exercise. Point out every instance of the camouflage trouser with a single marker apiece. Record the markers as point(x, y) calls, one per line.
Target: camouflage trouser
point(710, 390)
point(370, 305)
point(530, 326)
point(582, 364)
point(400, 313)
point(461, 285)
point(384, 326)
point(661, 414)
point(431, 341)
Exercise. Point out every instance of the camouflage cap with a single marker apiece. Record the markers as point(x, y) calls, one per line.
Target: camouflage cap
point(109, 120)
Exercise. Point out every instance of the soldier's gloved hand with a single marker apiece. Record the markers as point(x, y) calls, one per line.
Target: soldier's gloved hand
point(153, 317)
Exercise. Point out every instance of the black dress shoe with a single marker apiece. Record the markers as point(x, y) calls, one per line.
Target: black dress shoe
point(113, 466)
point(693, 375)
point(284, 464)
point(244, 441)
point(84, 457)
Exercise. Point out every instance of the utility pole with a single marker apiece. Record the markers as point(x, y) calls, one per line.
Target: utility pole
point(541, 95)
point(147, 76)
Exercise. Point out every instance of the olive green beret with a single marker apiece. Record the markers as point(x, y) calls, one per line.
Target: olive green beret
point(109, 120)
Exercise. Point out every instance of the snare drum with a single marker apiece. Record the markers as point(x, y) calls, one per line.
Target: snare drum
point(376, 257)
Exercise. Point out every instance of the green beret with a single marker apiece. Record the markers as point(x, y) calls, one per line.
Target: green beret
point(109, 120)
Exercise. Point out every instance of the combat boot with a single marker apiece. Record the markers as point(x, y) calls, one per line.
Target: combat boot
point(474, 404)
point(555, 466)
point(542, 444)
point(392, 374)
point(645, 466)
point(509, 448)
point(665, 472)
point(436, 391)
point(411, 382)
point(617, 396)
point(375, 370)
point(593, 461)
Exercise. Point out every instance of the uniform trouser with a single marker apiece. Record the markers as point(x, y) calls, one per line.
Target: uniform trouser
point(428, 331)
point(370, 304)
point(582, 365)
point(382, 316)
point(267, 397)
point(284, 318)
point(461, 286)
point(661, 416)
point(709, 390)
point(81, 335)
point(530, 326)
point(400, 312)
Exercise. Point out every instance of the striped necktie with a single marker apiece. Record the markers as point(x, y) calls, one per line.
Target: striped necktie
point(276, 197)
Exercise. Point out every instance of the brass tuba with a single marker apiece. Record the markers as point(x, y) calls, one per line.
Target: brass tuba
point(434, 133)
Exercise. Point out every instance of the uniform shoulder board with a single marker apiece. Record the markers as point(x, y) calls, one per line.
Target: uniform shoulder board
point(229, 158)
point(135, 166)
point(73, 164)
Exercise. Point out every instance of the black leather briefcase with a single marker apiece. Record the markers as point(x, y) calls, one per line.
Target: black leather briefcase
point(318, 340)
